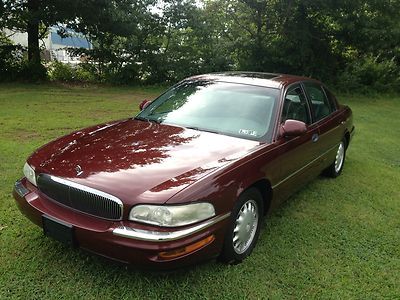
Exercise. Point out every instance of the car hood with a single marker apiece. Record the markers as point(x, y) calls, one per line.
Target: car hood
point(138, 161)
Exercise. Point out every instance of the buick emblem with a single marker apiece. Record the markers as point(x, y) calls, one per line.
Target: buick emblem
point(78, 170)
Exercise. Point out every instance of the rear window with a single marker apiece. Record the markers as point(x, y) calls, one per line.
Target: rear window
point(320, 104)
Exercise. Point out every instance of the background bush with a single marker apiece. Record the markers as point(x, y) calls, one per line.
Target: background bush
point(59, 71)
point(347, 44)
point(11, 60)
point(370, 74)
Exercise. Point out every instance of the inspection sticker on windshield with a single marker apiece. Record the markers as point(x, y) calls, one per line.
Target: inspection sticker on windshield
point(248, 132)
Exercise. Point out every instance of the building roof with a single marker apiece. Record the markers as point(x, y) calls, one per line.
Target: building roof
point(73, 40)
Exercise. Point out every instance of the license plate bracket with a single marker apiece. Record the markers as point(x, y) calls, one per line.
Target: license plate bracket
point(58, 230)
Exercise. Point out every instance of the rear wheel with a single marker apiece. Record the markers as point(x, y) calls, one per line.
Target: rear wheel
point(244, 227)
point(336, 167)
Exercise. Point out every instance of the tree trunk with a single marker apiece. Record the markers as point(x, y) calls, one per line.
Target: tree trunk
point(33, 31)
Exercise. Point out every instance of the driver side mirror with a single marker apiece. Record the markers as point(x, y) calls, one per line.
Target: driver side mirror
point(293, 128)
point(144, 104)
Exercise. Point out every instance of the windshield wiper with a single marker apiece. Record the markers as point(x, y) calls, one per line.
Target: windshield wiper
point(147, 119)
point(201, 129)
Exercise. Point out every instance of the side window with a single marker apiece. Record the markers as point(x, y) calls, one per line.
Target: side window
point(295, 106)
point(331, 98)
point(319, 102)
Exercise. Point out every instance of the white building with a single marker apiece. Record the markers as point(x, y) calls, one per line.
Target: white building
point(55, 46)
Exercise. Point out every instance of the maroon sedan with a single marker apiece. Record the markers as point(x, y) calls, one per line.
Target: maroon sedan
point(193, 174)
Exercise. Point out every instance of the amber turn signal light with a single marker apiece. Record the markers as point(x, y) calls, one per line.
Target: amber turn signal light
point(187, 249)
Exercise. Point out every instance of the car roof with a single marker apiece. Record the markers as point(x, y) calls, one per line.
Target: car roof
point(271, 80)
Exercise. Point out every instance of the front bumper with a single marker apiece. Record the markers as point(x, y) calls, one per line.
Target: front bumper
point(126, 241)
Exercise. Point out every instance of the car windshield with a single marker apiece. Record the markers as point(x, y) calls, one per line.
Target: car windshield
point(240, 110)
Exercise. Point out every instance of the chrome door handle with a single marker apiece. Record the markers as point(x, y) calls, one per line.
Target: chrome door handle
point(315, 137)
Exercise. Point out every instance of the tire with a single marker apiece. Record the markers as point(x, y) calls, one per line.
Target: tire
point(335, 169)
point(242, 235)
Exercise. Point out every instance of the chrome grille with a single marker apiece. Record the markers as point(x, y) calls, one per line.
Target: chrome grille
point(80, 197)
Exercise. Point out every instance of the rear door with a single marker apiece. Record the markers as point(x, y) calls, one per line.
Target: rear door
point(327, 118)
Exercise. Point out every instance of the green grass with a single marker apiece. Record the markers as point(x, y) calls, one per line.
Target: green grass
point(334, 239)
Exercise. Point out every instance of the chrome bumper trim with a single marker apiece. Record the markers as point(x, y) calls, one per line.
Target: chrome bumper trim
point(21, 189)
point(160, 236)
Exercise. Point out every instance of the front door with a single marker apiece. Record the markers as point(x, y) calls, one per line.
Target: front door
point(295, 167)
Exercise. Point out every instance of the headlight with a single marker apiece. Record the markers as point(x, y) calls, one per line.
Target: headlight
point(29, 173)
point(171, 216)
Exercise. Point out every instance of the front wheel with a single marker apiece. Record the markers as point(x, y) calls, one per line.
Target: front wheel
point(336, 167)
point(244, 228)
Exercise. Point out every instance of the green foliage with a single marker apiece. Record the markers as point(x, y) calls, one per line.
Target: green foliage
point(35, 16)
point(15, 66)
point(370, 73)
point(11, 59)
point(59, 71)
point(84, 73)
point(149, 41)
point(127, 74)
point(31, 71)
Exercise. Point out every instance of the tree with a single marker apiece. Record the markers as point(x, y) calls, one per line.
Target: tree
point(120, 43)
point(35, 16)
point(166, 40)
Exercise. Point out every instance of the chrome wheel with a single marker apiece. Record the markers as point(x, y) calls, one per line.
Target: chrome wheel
point(339, 157)
point(245, 226)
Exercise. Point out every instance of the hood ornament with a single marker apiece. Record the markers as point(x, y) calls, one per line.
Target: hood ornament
point(78, 170)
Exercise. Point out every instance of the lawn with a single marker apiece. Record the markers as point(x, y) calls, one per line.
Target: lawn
point(336, 238)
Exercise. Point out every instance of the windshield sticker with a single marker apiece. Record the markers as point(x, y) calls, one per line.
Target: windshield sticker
point(248, 132)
